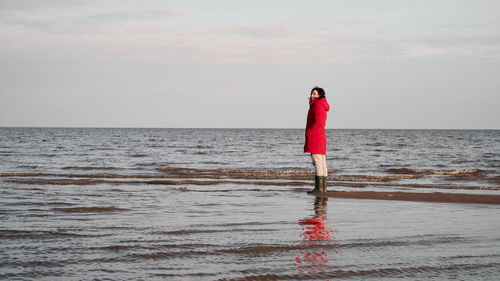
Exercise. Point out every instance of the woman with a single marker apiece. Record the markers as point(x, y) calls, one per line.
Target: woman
point(316, 137)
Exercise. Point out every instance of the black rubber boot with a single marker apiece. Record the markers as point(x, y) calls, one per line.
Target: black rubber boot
point(323, 183)
point(317, 186)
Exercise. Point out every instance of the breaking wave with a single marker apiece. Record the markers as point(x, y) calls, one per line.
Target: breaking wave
point(395, 177)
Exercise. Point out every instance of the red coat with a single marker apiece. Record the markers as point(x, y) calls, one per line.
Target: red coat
point(315, 128)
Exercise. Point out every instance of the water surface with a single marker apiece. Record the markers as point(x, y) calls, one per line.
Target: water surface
point(228, 204)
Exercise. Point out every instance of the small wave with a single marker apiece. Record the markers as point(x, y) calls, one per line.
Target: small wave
point(205, 182)
point(213, 163)
point(27, 166)
point(471, 256)
point(20, 174)
point(88, 209)
point(145, 164)
point(253, 250)
point(197, 231)
point(139, 155)
point(31, 234)
point(405, 242)
point(374, 144)
point(47, 155)
point(59, 182)
point(89, 168)
point(368, 178)
point(120, 247)
point(435, 172)
point(190, 231)
point(102, 148)
point(58, 203)
point(30, 203)
point(203, 147)
point(167, 255)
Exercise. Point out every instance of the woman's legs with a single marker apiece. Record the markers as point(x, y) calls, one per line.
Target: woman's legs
point(321, 172)
point(319, 162)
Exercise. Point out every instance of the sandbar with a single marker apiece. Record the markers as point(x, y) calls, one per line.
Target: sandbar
point(420, 197)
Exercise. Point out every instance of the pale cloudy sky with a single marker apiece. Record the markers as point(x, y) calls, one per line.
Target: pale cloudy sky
point(145, 63)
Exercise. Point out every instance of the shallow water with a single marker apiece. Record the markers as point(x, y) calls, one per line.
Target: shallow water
point(159, 232)
point(229, 206)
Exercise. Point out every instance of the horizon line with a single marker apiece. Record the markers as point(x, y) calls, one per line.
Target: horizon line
point(262, 128)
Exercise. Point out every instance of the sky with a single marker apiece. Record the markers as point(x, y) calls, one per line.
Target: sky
point(395, 64)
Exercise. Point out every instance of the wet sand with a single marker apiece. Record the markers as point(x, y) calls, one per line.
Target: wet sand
point(419, 197)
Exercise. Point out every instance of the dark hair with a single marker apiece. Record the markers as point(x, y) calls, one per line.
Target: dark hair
point(320, 91)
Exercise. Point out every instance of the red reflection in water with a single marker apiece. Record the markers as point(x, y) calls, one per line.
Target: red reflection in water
point(315, 234)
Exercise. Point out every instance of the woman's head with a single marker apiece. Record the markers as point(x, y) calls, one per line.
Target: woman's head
point(317, 93)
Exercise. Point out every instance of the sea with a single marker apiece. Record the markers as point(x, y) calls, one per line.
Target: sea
point(231, 204)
